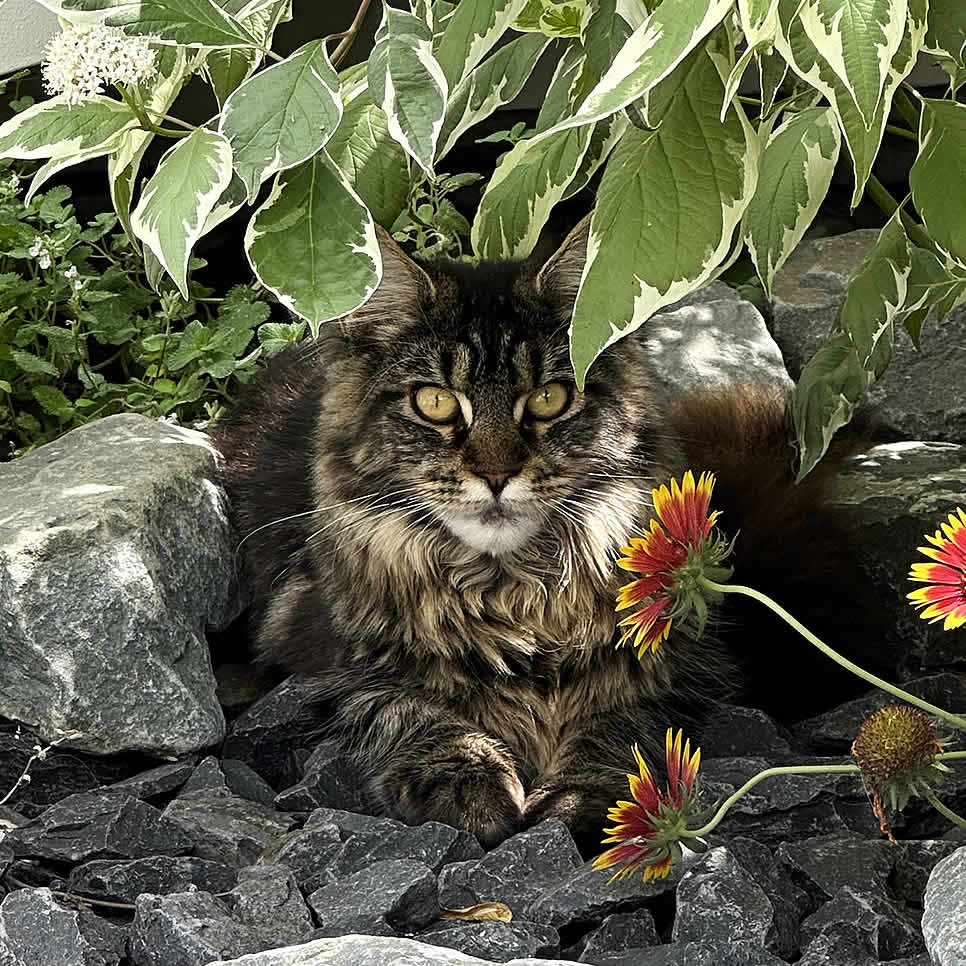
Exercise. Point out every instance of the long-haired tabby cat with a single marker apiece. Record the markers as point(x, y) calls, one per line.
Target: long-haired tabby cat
point(431, 516)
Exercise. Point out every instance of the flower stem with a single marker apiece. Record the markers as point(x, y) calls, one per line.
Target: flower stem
point(943, 810)
point(761, 776)
point(834, 655)
point(348, 37)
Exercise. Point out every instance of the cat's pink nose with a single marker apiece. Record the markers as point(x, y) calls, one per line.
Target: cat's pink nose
point(496, 479)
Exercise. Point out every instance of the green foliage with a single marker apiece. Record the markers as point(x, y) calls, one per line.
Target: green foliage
point(645, 93)
point(82, 335)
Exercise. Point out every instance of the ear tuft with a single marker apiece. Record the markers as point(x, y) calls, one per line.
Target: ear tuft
point(559, 278)
point(399, 271)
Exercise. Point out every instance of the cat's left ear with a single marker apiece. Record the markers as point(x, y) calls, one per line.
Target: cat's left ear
point(559, 278)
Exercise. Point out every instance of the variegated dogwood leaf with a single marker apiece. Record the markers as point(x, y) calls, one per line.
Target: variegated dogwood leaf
point(496, 82)
point(946, 38)
point(56, 129)
point(605, 137)
point(408, 84)
point(471, 32)
point(569, 85)
point(793, 178)
point(528, 182)
point(313, 243)
point(179, 197)
point(283, 115)
point(667, 207)
point(938, 176)
point(759, 20)
point(552, 18)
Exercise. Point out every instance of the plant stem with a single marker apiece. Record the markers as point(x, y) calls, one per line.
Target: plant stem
point(172, 119)
point(906, 107)
point(943, 810)
point(902, 132)
point(761, 776)
point(834, 655)
point(144, 120)
point(348, 38)
point(271, 53)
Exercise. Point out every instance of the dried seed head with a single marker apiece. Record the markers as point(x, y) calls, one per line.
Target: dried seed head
point(892, 742)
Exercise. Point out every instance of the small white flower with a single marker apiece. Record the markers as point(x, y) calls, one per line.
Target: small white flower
point(70, 272)
point(80, 61)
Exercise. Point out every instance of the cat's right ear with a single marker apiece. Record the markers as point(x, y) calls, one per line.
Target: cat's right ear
point(404, 287)
point(559, 278)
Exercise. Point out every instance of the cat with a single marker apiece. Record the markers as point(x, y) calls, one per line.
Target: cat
point(431, 515)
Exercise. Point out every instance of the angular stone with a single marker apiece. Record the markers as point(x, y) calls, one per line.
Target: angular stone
point(516, 872)
point(265, 734)
point(915, 860)
point(207, 774)
point(732, 731)
point(617, 933)
point(496, 942)
point(841, 944)
point(163, 780)
point(398, 896)
point(226, 828)
point(828, 862)
point(890, 932)
point(944, 918)
point(920, 394)
point(703, 953)
point(267, 898)
point(330, 780)
point(115, 554)
point(36, 929)
point(242, 780)
point(119, 881)
point(717, 900)
point(187, 929)
point(306, 851)
point(98, 825)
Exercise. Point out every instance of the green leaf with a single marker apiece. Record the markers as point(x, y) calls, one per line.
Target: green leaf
point(371, 160)
point(667, 206)
point(793, 178)
point(53, 401)
point(946, 38)
point(552, 18)
point(32, 364)
point(569, 85)
point(496, 82)
point(283, 115)
point(759, 20)
point(228, 69)
point(55, 129)
point(179, 197)
point(604, 33)
point(470, 34)
point(276, 336)
point(529, 181)
point(313, 243)
point(408, 84)
point(605, 137)
point(938, 176)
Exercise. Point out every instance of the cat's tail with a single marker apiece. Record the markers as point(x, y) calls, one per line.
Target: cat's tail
point(791, 545)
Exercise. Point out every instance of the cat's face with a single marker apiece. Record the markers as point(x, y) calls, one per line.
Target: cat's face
point(459, 410)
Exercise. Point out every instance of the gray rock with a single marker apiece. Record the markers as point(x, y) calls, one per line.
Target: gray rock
point(306, 851)
point(161, 875)
point(330, 779)
point(704, 953)
point(619, 932)
point(718, 339)
point(731, 731)
point(517, 872)
point(717, 900)
point(388, 898)
point(944, 917)
point(187, 929)
point(890, 932)
point(920, 395)
point(98, 825)
point(265, 735)
point(162, 780)
point(36, 930)
point(886, 505)
point(267, 898)
point(115, 555)
point(828, 862)
point(496, 942)
point(242, 780)
point(841, 944)
point(915, 860)
point(226, 828)
point(207, 774)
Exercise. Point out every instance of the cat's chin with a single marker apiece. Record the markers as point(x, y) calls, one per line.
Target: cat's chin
point(497, 536)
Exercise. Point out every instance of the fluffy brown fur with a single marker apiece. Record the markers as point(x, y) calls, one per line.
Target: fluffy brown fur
point(478, 682)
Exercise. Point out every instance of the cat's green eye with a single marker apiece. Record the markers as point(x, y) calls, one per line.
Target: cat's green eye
point(549, 401)
point(436, 404)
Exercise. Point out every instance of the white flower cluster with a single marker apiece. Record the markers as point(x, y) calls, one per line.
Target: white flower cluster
point(40, 250)
point(80, 61)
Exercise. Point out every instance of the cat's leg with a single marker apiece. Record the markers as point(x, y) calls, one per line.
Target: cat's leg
point(426, 764)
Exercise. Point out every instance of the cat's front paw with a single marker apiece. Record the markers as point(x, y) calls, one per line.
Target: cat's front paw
point(582, 810)
point(476, 787)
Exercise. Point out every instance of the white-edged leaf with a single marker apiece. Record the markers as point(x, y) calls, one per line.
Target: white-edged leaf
point(793, 178)
point(568, 87)
point(552, 18)
point(857, 39)
point(759, 20)
point(667, 207)
point(370, 159)
point(229, 69)
point(233, 198)
point(283, 115)
point(313, 243)
point(604, 33)
point(938, 176)
point(528, 182)
point(56, 129)
point(471, 32)
point(946, 38)
point(55, 165)
point(188, 23)
point(772, 71)
point(408, 84)
point(607, 134)
point(178, 198)
point(496, 82)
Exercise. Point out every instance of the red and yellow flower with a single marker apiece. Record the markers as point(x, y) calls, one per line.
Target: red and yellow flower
point(945, 596)
point(650, 829)
point(676, 551)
